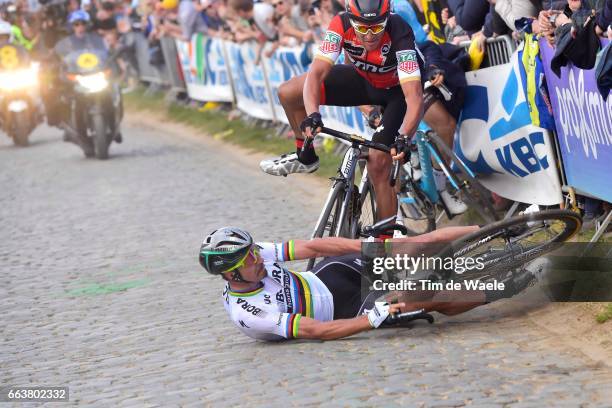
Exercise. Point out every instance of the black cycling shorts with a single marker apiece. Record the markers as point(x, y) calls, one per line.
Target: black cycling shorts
point(343, 86)
point(454, 106)
point(343, 277)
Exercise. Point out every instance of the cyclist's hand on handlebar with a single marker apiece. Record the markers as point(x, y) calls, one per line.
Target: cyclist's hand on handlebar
point(400, 149)
point(311, 125)
point(381, 310)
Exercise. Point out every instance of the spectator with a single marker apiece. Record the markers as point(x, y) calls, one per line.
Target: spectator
point(289, 33)
point(190, 19)
point(259, 17)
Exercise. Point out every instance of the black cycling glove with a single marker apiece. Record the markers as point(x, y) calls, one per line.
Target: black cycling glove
point(312, 121)
point(402, 144)
point(373, 117)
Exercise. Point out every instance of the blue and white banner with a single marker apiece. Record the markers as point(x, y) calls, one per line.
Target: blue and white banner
point(250, 83)
point(584, 126)
point(204, 69)
point(497, 139)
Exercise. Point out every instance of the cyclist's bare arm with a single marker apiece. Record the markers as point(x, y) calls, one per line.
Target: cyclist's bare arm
point(337, 329)
point(323, 247)
point(319, 69)
point(446, 234)
point(336, 246)
point(414, 106)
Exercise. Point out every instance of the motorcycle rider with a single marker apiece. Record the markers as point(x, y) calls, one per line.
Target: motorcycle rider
point(81, 39)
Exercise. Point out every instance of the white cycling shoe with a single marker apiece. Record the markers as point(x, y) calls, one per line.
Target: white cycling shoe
point(455, 205)
point(287, 164)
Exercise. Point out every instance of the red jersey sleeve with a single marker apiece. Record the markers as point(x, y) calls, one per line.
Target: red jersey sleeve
point(329, 50)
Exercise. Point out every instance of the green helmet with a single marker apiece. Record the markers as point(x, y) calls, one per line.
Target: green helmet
point(224, 248)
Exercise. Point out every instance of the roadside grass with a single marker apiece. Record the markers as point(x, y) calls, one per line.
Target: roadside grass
point(605, 314)
point(217, 125)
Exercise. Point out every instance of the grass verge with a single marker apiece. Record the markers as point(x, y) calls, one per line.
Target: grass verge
point(217, 125)
point(605, 314)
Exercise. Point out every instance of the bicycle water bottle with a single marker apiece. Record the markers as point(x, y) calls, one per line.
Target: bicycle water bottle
point(427, 182)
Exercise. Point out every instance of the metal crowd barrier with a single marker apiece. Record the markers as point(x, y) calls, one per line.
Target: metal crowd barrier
point(148, 72)
point(498, 50)
point(175, 76)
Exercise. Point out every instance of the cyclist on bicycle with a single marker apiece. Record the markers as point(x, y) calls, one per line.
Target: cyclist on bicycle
point(383, 68)
point(266, 301)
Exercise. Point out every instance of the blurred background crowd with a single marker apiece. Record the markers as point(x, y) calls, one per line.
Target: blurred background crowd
point(37, 25)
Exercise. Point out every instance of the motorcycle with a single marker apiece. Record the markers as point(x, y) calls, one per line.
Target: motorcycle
point(94, 100)
point(19, 110)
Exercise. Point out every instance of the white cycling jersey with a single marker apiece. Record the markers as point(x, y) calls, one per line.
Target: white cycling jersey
point(273, 311)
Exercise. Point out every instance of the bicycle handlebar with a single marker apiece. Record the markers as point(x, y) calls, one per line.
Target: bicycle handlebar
point(361, 141)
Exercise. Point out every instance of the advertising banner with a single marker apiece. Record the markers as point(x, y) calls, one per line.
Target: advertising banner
point(583, 120)
point(497, 139)
point(250, 84)
point(204, 69)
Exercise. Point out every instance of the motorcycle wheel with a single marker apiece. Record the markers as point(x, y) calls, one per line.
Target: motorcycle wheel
point(100, 138)
point(21, 129)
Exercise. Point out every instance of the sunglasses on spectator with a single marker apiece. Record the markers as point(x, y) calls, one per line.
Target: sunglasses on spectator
point(363, 29)
point(78, 23)
point(278, 3)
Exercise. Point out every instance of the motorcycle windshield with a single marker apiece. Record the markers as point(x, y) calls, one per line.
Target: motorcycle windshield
point(86, 61)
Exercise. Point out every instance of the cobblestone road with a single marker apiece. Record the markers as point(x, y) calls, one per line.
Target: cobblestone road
point(100, 290)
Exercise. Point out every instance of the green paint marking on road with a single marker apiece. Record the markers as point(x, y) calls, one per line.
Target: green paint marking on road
point(106, 288)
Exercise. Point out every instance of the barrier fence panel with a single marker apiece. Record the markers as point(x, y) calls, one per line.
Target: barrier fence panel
point(148, 72)
point(172, 64)
point(205, 70)
point(252, 95)
point(583, 120)
point(497, 139)
point(498, 50)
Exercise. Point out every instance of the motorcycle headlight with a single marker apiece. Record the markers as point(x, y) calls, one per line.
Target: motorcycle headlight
point(19, 79)
point(94, 82)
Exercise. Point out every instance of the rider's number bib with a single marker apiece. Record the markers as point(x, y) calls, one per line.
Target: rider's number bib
point(8, 57)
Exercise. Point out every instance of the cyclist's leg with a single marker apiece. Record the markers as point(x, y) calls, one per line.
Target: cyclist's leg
point(379, 163)
point(290, 94)
point(441, 119)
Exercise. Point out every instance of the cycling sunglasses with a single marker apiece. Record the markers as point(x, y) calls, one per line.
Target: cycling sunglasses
point(254, 252)
point(363, 29)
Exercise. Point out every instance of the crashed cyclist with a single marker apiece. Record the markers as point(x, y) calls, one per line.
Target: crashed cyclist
point(267, 301)
point(383, 68)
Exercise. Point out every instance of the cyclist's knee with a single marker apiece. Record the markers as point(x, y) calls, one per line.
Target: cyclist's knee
point(290, 92)
point(379, 164)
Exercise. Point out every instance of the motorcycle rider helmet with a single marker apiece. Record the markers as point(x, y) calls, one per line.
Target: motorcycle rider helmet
point(78, 15)
point(368, 11)
point(225, 249)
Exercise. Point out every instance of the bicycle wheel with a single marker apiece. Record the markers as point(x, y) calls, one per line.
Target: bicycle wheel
point(500, 252)
point(328, 220)
point(474, 193)
point(415, 209)
point(366, 210)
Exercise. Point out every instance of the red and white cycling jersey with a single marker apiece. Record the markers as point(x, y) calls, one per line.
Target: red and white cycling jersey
point(396, 60)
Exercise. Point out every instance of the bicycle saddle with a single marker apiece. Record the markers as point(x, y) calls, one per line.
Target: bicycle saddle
point(387, 225)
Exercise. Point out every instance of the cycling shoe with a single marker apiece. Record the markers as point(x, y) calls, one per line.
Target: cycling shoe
point(287, 164)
